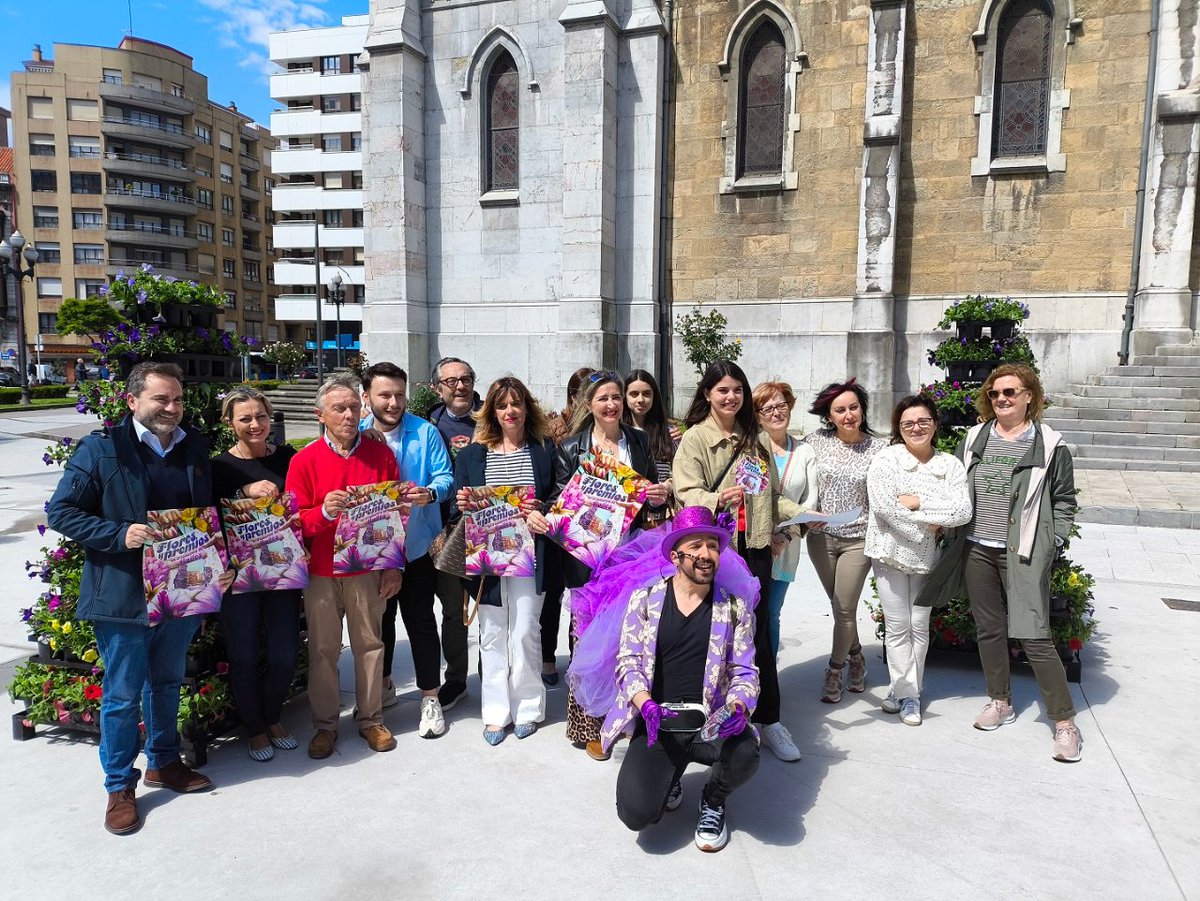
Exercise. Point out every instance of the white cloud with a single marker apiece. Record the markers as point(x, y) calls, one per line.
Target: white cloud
point(248, 24)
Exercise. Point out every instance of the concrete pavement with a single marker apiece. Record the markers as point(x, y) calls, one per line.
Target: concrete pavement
point(874, 808)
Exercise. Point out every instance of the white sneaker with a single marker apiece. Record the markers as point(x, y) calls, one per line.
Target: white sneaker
point(779, 740)
point(433, 723)
point(910, 711)
point(389, 693)
point(890, 704)
point(712, 832)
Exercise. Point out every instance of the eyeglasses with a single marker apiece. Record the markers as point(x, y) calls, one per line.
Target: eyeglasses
point(453, 382)
point(1010, 393)
point(603, 375)
point(773, 409)
point(912, 424)
point(695, 558)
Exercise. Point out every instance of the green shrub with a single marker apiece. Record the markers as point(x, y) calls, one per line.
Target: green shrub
point(10, 395)
point(265, 384)
point(48, 391)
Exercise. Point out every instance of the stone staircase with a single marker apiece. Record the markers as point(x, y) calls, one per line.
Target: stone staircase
point(1145, 416)
point(296, 400)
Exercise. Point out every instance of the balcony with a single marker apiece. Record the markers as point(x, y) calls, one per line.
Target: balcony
point(306, 160)
point(300, 272)
point(250, 192)
point(299, 235)
point(251, 253)
point(313, 122)
point(182, 271)
point(144, 164)
point(147, 98)
point(150, 235)
point(303, 308)
point(162, 133)
point(251, 222)
point(249, 162)
point(303, 198)
point(298, 83)
point(177, 203)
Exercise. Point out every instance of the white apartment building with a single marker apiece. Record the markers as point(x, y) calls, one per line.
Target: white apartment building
point(318, 197)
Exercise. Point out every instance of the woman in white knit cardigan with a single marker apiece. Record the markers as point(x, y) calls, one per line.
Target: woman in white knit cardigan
point(915, 491)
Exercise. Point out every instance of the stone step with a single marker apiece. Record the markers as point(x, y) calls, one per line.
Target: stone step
point(1129, 370)
point(1130, 452)
point(1122, 439)
point(1057, 412)
point(1130, 403)
point(1146, 381)
point(1182, 350)
point(1158, 360)
point(1123, 426)
point(1130, 391)
point(1105, 463)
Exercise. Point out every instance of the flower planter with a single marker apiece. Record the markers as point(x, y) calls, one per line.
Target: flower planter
point(981, 369)
point(209, 367)
point(969, 329)
point(956, 418)
point(179, 315)
point(959, 370)
point(1002, 329)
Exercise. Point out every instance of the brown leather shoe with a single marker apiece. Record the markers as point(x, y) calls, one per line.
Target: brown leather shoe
point(322, 744)
point(596, 751)
point(378, 737)
point(178, 777)
point(122, 815)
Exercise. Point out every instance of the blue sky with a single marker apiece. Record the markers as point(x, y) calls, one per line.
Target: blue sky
point(226, 38)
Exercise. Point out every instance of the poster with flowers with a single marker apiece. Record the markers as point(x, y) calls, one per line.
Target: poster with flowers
point(182, 566)
point(370, 532)
point(498, 541)
point(596, 507)
point(265, 544)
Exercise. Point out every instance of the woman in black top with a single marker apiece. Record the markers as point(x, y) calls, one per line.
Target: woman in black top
point(254, 467)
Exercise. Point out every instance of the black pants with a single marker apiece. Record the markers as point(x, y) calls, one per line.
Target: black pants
point(551, 614)
point(454, 633)
point(647, 773)
point(415, 603)
point(759, 561)
point(247, 620)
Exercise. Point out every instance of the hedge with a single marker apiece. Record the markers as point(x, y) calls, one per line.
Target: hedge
point(13, 395)
point(265, 384)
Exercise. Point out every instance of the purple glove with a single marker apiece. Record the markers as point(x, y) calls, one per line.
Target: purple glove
point(734, 725)
point(652, 715)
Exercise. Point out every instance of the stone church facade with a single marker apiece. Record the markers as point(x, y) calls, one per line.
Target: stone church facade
point(836, 173)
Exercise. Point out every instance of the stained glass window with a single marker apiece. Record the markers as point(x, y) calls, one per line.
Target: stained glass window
point(762, 120)
point(1022, 79)
point(503, 125)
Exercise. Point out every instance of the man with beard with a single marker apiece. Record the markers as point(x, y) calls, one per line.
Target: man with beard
point(145, 462)
point(423, 460)
point(686, 684)
point(454, 380)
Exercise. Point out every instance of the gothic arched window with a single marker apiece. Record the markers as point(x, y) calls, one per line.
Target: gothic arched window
point(762, 116)
point(502, 117)
point(1022, 89)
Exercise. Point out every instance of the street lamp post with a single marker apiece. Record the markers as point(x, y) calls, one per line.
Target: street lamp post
point(10, 258)
point(337, 296)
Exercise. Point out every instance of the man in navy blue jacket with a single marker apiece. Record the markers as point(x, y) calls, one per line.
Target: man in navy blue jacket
point(146, 462)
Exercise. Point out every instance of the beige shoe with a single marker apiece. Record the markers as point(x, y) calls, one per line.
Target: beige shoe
point(831, 691)
point(1068, 743)
point(378, 737)
point(994, 715)
point(856, 679)
point(322, 744)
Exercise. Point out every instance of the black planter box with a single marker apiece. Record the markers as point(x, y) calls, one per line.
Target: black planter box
point(179, 315)
point(981, 369)
point(1002, 329)
point(969, 329)
point(954, 419)
point(959, 370)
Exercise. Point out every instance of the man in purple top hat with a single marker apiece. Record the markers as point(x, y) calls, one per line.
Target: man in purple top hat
point(686, 684)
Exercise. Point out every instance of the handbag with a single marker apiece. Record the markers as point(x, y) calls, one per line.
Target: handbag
point(448, 550)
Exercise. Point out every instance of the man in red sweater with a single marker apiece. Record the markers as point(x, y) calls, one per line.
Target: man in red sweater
point(319, 475)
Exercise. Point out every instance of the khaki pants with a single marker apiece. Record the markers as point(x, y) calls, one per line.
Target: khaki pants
point(326, 602)
point(842, 568)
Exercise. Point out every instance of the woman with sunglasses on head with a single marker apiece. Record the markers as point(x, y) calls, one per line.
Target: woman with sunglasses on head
point(645, 410)
point(596, 423)
point(844, 448)
point(719, 455)
point(797, 467)
point(915, 492)
point(1022, 483)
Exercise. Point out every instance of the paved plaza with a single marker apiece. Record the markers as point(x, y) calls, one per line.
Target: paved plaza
point(874, 809)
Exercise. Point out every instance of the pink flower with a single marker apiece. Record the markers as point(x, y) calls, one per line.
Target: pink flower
point(222, 668)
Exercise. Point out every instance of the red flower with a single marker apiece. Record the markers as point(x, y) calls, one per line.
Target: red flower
point(206, 688)
point(949, 635)
point(222, 668)
point(1075, 643)
point(93, 692)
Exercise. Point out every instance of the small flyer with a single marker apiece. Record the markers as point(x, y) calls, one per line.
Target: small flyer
point(499, 542)
point(751, 476)
point(596, 507)
point(370, 532)
point(265, 544)
point(182, 567)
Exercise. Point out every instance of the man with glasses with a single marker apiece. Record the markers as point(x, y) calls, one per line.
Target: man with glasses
point(454, 380)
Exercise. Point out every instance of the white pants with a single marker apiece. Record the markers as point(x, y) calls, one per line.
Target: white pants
point(906, 628)
point(510, 645)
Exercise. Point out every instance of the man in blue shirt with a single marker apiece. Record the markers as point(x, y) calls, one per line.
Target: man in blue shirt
point(423, 460)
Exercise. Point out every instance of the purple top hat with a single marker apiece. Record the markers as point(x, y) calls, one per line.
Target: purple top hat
point(692, 521)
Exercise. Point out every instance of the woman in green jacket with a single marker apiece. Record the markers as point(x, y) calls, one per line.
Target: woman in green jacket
point(1022, 483)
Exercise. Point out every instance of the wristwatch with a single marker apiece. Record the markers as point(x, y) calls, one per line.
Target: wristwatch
point(432, 495)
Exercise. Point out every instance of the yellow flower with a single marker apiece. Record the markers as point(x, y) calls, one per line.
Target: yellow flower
point(90, 656)
point(277, 510)
point(262, 503)
point(391, 494)
point(513, 500)
point(188, 514)
point(66, 628)
point(1073, 580)
point(201, 525)
point(54, 624)
point(54, 644)
point(628, 487)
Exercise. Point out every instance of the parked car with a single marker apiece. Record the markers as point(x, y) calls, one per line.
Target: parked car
point(307, 372)
point(9, 378)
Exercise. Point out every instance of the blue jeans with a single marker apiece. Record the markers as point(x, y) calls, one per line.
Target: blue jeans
point(143, 669)
point(774, 608)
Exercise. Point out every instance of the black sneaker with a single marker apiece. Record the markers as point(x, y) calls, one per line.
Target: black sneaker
point(451, 693)
point(675, 795)
point(711, 831)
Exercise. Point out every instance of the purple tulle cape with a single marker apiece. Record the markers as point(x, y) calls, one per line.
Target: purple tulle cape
point(598, 610)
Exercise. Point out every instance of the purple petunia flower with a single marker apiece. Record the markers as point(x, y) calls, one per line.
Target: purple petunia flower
point(42, 529)
point(192, 284)
point(120, 274)
point(66, 442)
point(47, 459)
point(170, 279)
point(26, 614)
point(141, 296)
point(104, 290)
point(108, 423)
point(54, 603)
point(202, 333)
point(130, 281)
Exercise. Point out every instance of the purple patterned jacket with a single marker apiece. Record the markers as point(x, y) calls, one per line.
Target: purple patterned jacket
point(729, 673)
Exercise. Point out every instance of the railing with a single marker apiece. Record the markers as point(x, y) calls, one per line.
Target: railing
point(157, 264)
point(177, 197)
point(139, 123)
point(227, 179)
point(41, 150)
point(84, 153)
point(303, 70)
point(111, 79)
point(146, 158)
point(88, 225)
point(175, 231)
point(82, 259)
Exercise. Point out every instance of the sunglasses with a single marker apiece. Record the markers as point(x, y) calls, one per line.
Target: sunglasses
point(1010, 393)
point(603, 375)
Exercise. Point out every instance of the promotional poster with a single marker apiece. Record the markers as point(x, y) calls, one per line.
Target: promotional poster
point(369, 534)
point(499, 542)
point(596, 507)
point(264, 542)
point(182, 567)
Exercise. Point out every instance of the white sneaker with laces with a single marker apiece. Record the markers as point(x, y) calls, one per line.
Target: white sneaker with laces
point(910, 711)
point(779, 740)
point(433, 723)
point(890, 704)
point(712, 834)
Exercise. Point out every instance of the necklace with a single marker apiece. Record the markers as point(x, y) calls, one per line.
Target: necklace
point(236, 450)
point(604, 443)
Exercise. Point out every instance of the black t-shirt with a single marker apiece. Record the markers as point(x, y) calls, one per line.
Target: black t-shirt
point(682, 651)
point(231, 473)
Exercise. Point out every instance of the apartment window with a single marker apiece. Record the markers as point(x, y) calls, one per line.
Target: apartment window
point(332, 218)
point(83, 147)
point(204, 198)
point(49, 287)
point(203, 166)
point(268, 185)
point(228, 268)
point(331, 104)
point(227, 237)
point(206, 264)
point(87, 219)
point(88, 287)
point(147, 81)
point(177, 90)
point(250, 271)
point(227, 173)
point(112, 76)
point(356, 218)
point(231, 300)
point(356, 179)
point(45, 217)
point(331, 65)
point(355, 102)
point(90, 254)
point(503, 124)
point(43, 180)
point(204, 136)
point(41, 145)
point(227, 204)
point(359, 256)
point(48, 322)
point(83, 110)
point(49, 252)
point(226, 141)
point(204, 231)
point(356, 140)
point(333, 179)
point(270, 245)
point(40, 108)
point(333, 258)
point(331, 143)
point(85, 183)
point(248, 180)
